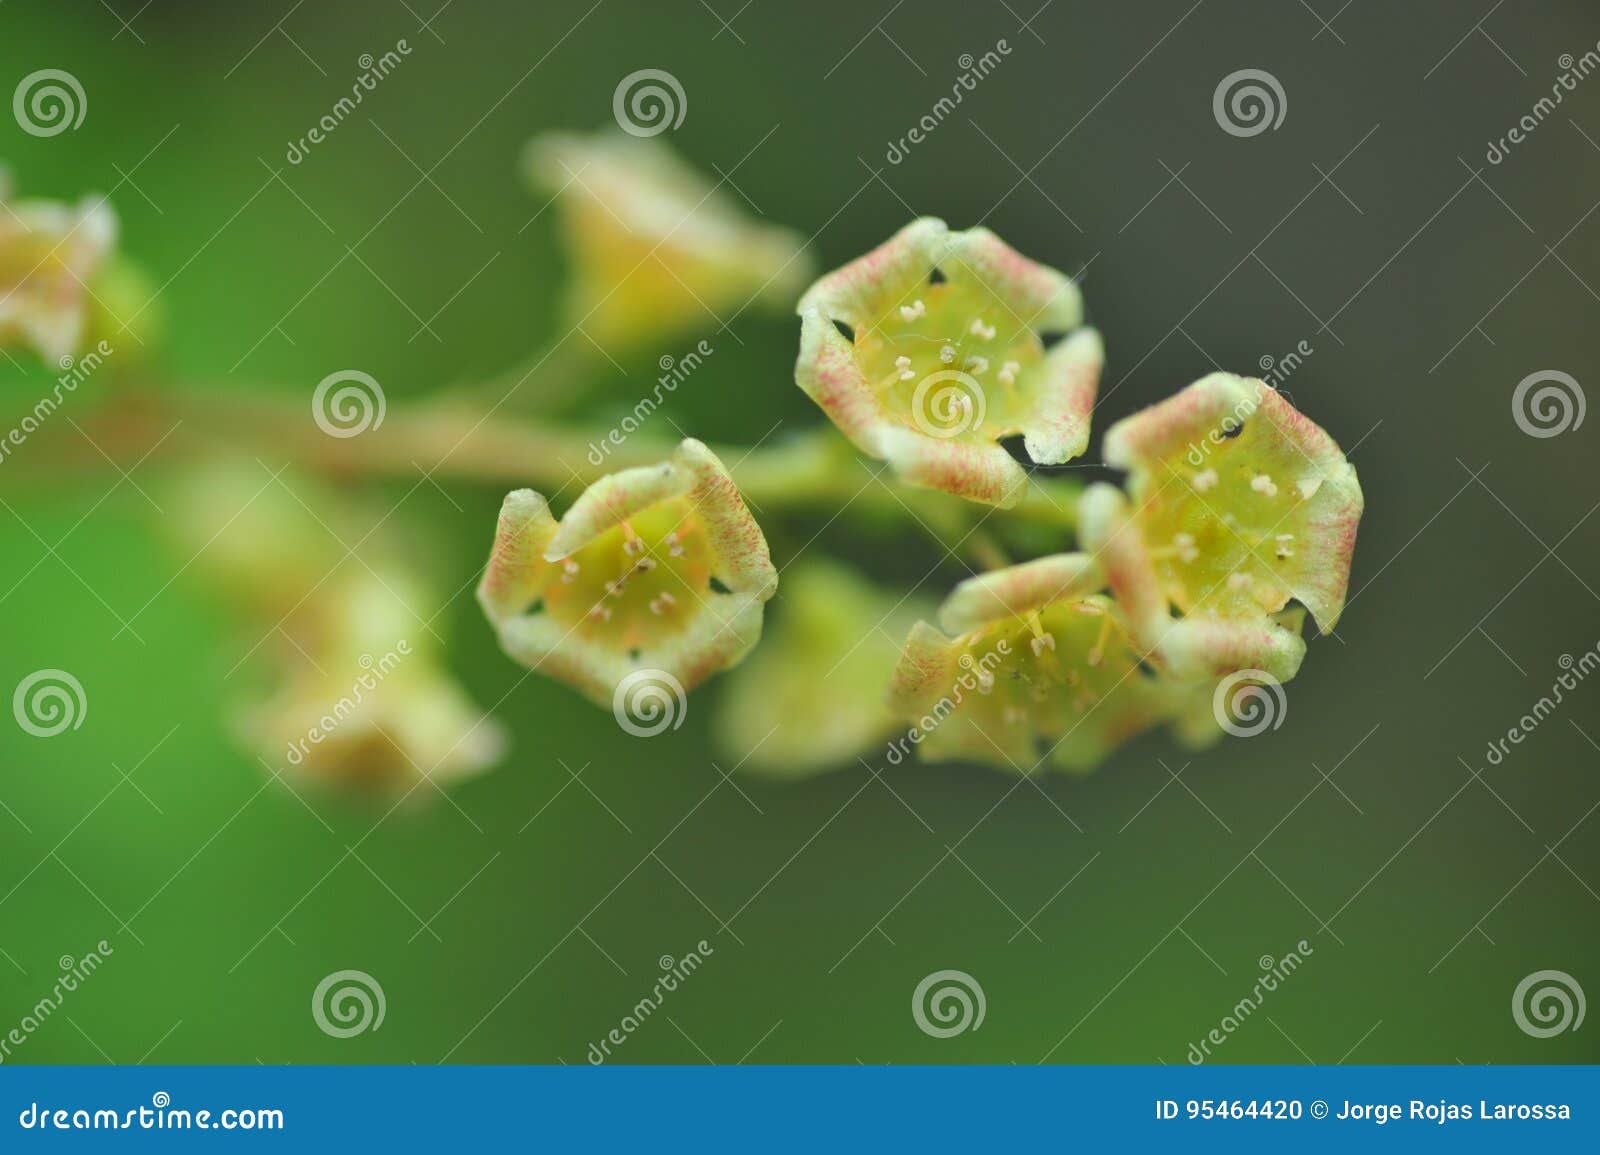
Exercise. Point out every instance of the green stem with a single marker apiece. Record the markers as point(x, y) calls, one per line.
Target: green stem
point(457, 438)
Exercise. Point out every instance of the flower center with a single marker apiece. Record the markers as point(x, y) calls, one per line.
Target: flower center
point(638, 582)
point(949, 354)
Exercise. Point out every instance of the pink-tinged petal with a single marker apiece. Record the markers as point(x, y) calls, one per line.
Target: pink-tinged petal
point(612, 500)
point(1019, 589)
point(517, 569)
point(981, 473)
point(745, 566)
point(861, 290)
point(1109, 534)
point(1045, 300)
point(926, 668)
point(828, 373)
point(1201, 647)
point(1067, 383)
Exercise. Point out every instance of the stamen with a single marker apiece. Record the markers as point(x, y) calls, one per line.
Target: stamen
point(1205, 479)
point(1262, 483)
point(914, 310)
point(979, 329)
point(903, 363)
point(978, 365)
point(1008, 373)
point(947, 354)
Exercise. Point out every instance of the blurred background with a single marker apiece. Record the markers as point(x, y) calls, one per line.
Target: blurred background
point(1117, 917)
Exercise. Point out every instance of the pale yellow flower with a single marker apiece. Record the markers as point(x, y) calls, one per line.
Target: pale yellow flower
point(659, 568)
point(1237, 506)
point(369, 704)
point(49, 253)
point(811, 698)
point(657, 249)
point(1029, 666)
point(930, 349)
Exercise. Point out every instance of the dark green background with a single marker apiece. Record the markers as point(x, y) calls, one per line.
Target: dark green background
point(1133, 953)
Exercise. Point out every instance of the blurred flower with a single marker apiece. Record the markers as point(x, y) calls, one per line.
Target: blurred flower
point(659, 568)
point(812, 697)
point(370, 705)
point(49, 252)
point(1237, 505)
point(252, 535)
point(363, 698)
point(656, 248)
point(931, 348)
point(1030, 664)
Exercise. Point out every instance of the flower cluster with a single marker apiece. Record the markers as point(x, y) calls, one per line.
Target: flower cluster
point(1239, 517)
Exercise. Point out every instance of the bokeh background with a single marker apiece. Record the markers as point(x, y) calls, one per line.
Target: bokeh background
point(1114, 918)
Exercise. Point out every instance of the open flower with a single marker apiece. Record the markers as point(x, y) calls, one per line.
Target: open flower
point(48, 254)
point(1031, 665)
point(369, 705)
point(656, 248)
point(932, 347)
point(1237, 505)
point(811, 698)
point(658, 568)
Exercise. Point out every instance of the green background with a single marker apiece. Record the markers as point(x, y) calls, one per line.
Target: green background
point(1426, 893)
